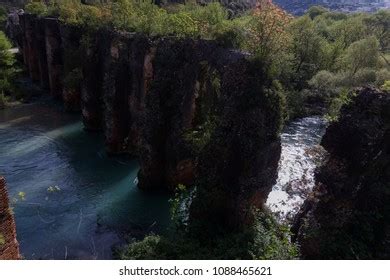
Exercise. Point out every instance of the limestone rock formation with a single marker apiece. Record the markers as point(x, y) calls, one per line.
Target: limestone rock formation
point(238, 167)
point(9, 246)
point(163, 99)
point(348, 216)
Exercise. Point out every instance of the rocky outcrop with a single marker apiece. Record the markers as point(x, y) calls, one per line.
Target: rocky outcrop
point(238, 167)
point(9, 246)
point(192, 111)
point(348, 216)
point(116, 91)
point(161, 99)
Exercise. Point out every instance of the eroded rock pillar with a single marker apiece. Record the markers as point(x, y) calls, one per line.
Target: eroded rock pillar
point(31, 51)
point(72, 66)
point(92, 82)
point(238, 166)
point(116, 93)
point(40, 47)
point(54, 55)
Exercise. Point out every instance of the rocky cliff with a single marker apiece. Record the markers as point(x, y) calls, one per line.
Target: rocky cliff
point(9, 246)
point(186, 108)
point(348, 215)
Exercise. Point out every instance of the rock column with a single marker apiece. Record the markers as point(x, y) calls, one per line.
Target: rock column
point(40, 47)
point(54, 55)
point(31, 51)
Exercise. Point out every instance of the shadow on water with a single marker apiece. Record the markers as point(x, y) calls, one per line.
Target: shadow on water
point(70, 200)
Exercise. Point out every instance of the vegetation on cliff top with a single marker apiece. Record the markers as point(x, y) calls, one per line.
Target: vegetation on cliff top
point(317, 57)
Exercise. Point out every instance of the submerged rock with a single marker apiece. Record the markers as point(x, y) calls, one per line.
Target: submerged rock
point(348, 215)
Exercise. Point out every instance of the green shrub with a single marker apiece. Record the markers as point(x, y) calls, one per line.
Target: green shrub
point(3, 16)
point(323, 81)
point(7, 64)
point(386, 86)
point(382, 76)
point(362, 54)
point(365, 76)
point(36, 7)
point(344, 97)
point(265, 240)
point(181, 24)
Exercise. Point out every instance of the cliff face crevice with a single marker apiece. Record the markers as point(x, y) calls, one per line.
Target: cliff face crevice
point(348, 215)
point(54, 55)
point(9, 246)
point(72, 71)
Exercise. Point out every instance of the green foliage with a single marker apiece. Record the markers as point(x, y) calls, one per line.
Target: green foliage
point(3, 17)
point(138, 16)
point(362, 54)
point(344, 97)
point(315, 11)
point(201, 135)
point(379, 25)
point(36, 7)
point(265, 240)
point(382, 76)
point(7, 68)
point(323, 81)
point(386, 86)
point(331, 52)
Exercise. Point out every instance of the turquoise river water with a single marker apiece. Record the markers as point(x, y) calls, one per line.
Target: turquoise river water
point(71, 201)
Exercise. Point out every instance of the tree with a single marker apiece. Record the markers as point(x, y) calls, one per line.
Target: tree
point(7, 68)
point(379, 26)
point(315, 11)
point(362, 54)
point(307, 49)
point(267, 30)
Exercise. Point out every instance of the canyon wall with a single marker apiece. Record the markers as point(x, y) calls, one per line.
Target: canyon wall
point(348, 217)
point(186, 108)
point(9, 246)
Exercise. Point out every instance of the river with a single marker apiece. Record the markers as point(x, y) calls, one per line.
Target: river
point(72, 201)
point(300, 155)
